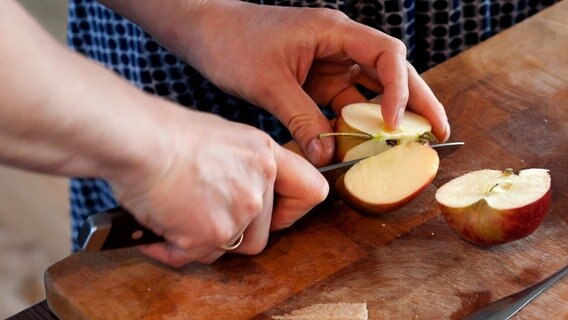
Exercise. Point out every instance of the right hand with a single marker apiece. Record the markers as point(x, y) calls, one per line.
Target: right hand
point(216, 180)
point(195, 179)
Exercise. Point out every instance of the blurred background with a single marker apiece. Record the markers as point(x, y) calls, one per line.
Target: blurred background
point(34, 214)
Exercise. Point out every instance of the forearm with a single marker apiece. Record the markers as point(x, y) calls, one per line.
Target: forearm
point(183, 26)
point(62, 114)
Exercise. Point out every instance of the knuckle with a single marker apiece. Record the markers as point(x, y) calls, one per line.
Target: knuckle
point(398, 46)
point(264, 160)
point(251, 204)
point(267, 166)
point(300, 125)
point(185, 244)
point(334, 15)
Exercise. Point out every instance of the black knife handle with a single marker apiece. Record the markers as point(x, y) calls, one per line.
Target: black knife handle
point(113, 229)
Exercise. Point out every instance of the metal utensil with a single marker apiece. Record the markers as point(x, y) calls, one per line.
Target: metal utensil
point(117, 228)
point(333, 171)
point(506, 307)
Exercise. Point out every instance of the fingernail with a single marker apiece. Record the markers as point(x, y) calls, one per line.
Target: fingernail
point(315, 148)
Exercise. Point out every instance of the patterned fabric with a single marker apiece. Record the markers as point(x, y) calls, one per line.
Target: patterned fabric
point(433, 31)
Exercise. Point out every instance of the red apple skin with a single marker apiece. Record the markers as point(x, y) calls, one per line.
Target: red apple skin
point(374, 209)
point(485, 226)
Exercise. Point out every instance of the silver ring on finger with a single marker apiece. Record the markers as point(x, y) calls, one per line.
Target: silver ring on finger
point(234, 245)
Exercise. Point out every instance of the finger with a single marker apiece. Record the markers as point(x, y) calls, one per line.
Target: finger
point(326, 80)
point(211, 257)
point(387, 55)
point(256, 233)
point(332, 83)
point(299, 187)
point(368, 79)
point(177, 257)
point(348, 96)
point(168, 254)
point(423, 101)
point(293, 107)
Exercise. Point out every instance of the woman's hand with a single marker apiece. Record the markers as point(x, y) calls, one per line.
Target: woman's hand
point(288, 60)
point(214, 182)
point(195, 179)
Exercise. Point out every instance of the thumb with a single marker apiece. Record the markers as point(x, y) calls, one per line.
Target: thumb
point(298, 186)
point(305, 121)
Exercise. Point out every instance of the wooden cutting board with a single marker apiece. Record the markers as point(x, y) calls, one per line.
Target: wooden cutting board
point(506, 98)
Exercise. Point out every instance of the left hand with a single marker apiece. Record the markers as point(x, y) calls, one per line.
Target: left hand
point(287, 60)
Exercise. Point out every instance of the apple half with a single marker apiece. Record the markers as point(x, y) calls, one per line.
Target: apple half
point(490, 207)
point(389, 180)
point(361, 131)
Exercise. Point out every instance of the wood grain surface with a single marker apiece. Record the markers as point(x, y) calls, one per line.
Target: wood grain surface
point(506, 98)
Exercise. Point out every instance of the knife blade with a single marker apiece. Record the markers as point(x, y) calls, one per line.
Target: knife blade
point(333, 171)
point(117, 228)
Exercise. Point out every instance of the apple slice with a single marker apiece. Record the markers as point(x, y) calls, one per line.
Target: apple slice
point(389, 180)
point(371, 136)
point(489, 207)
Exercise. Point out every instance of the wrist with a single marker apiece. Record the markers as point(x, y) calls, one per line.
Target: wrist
point(145, 155)
point(114, 131)
point(182, 26)
point(169, 22)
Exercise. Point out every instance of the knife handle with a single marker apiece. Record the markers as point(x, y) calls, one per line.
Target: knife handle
point(113, 229)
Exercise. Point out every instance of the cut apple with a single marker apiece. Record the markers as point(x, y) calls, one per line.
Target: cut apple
point(389, 180)
point(490, 207)
point(371, 135)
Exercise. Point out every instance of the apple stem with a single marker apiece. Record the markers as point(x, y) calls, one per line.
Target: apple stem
point(345, 134)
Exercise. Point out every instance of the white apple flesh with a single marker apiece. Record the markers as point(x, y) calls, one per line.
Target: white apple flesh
point(389, 180)
point(490, 207)
point(366, 119)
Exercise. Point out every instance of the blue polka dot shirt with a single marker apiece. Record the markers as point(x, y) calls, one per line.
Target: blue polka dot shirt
point(433, 31)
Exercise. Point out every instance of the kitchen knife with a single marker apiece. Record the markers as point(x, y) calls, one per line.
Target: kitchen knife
point(333, 171)
point(116, 228)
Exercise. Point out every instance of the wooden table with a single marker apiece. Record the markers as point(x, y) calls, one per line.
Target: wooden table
point(506, 98)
